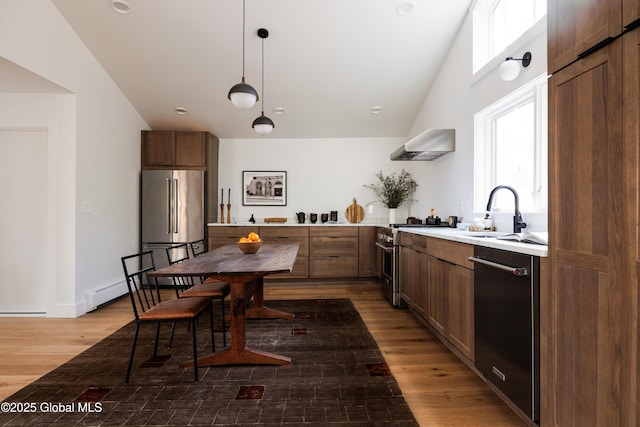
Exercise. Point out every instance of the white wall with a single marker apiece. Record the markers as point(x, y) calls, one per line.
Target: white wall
point(322, 174)
point(455, 96)
point(98, 153)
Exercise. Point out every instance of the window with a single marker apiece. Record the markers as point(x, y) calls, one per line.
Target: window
point(498, 23)
point(511, 149)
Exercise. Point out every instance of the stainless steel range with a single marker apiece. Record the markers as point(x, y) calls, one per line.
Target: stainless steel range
point(388, 243)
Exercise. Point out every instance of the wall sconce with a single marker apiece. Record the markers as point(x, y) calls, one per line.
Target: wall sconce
point(510, 69)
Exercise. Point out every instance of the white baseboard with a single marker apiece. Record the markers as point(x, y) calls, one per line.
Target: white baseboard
point(97, 297)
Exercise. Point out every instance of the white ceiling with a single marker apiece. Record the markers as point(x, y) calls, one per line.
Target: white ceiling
point(327, 62)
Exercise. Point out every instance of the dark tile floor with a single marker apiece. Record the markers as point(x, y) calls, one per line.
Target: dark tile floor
point(337, 378)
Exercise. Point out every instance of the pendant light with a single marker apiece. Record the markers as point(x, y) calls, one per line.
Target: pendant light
point(243, 95)
point(263, 124)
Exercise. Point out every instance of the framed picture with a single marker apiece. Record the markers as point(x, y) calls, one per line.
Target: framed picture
point(264, 188)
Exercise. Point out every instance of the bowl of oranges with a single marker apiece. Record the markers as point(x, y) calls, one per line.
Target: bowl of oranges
point(250, 244)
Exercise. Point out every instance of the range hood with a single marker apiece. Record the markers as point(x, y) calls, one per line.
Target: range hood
point(429, 145)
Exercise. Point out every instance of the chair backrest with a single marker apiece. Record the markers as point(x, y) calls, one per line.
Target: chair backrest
point(143, 290)
point(176, 254)
point(198, 247)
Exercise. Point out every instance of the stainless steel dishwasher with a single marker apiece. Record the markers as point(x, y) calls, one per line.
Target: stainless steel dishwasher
point(507, 324)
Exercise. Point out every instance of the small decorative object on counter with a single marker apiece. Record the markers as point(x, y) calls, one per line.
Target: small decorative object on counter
point(222, 206)
point(229, 208)
point(393, 191)
point(313, 218)
point(355, 212)
point(433, 219)
point(324, 217)
point(333, 216)
point(302, 217)
point(252, 220)
point(281, 220)
point(487, 221)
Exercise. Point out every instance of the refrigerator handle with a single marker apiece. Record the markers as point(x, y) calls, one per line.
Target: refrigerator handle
point(176, 198)
point(169, 205)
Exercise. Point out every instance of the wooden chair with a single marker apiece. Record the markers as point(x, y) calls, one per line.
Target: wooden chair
point(209, 287)
point(148, 307)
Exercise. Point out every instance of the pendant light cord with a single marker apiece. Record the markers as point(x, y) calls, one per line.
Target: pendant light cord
point(243, 31)
point(263, 76)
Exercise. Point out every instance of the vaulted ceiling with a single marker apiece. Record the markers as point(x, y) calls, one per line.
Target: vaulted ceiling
point(327, 63)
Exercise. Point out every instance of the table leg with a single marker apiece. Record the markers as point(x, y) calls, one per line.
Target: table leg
point(239, 353)
point(259, 311)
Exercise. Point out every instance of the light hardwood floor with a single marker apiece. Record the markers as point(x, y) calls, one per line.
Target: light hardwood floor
point(440, 389)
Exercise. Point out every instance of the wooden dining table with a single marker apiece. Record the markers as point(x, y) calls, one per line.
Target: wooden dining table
point(244, 273)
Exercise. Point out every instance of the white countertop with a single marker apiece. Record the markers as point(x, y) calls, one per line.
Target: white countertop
point(294, 224)
point(490, 242)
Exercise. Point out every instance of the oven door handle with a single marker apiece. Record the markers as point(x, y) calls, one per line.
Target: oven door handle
point(516, 271)
point(384, 248)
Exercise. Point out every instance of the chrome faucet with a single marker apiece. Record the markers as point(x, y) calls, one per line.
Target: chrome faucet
point(518, 223)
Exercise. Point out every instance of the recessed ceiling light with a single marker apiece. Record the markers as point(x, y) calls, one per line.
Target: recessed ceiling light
point(121, 6)
point(375, 110)
point(278, 110)
point(404, 8)
point(181, 111)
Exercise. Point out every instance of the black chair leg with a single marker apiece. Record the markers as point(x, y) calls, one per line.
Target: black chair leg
point(173, 328)
point(224, 326)
point(195, 352)
point(213, 341)
point(133, 350)
point(155, 345)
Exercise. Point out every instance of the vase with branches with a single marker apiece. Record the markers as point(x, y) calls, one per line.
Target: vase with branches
point(394, 190)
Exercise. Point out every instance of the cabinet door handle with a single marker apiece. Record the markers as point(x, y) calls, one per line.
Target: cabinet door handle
point(597, 46)
point(498, 373)
point(635, 24)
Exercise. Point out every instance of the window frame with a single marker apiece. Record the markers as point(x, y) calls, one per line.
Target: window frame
point(485, 164)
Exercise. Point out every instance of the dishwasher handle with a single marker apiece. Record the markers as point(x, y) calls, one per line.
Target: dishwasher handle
point(516, 271)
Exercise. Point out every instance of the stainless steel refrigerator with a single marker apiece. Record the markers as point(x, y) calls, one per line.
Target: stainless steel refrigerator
point(172, 210)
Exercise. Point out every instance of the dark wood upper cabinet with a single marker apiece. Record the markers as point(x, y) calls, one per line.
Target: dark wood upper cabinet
point(176, 149)
point(577, 27)
point(630, 13)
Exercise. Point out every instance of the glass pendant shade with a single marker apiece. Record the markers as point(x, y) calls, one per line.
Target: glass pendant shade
point(263, 125)
point(243, 95)
point(509, 69)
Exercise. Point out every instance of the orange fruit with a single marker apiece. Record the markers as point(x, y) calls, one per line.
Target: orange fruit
point(244, 240)
point(253, 237)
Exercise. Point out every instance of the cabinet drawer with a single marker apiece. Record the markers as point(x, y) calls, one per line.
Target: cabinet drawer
point(335, 231)
point(283, 231)
point(333, 266)
point(287, 235)
point(414, 241)
point(227, 235)
point(339, 246)
point(453, 252)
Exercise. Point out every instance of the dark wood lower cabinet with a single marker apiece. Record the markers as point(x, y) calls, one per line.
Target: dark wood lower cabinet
point(324, 251)
point(437, 283)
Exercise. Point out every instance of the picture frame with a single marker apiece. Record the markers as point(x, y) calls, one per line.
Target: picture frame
point(264, 188)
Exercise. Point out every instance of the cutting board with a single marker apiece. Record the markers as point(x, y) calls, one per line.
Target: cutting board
point(355, 212)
